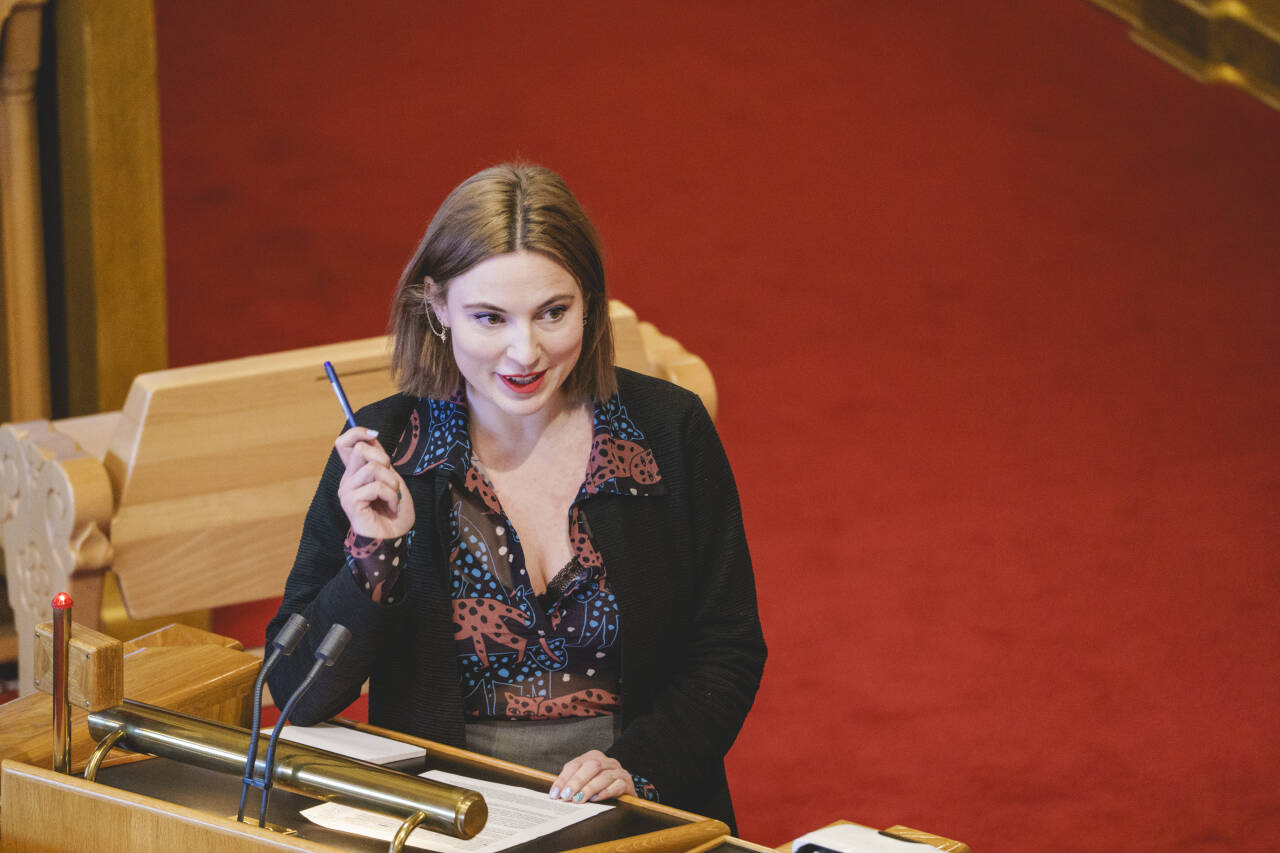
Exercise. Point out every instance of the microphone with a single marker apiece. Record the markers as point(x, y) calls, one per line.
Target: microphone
point(327, 654)
point(286, 640)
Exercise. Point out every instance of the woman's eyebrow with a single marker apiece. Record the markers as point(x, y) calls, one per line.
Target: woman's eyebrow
point(497, 309)
point(554, 299)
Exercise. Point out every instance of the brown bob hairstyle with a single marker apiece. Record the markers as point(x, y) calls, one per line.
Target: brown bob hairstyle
point(508, 208)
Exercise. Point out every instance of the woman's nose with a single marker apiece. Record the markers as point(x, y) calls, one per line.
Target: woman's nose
point(522, 347)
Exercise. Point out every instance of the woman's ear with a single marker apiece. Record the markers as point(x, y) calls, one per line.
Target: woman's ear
point(435, 298)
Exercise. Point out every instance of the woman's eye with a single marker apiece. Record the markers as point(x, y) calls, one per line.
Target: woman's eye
point(557, 312)
point(488, 318)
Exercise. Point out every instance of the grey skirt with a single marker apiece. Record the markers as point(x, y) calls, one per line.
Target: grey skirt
point(543, 744)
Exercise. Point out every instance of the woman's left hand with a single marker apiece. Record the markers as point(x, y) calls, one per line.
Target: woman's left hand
point(590, 777)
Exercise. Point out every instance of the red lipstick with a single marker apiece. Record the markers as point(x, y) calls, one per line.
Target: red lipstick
point(523, 383)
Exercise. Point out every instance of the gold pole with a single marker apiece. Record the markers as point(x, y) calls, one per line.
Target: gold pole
point(402, 834)
point(100, 752)
point(61, 701)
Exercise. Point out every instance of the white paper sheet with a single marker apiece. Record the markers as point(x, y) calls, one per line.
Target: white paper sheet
point(516, 815)
point(350, 742)
point(851, 838)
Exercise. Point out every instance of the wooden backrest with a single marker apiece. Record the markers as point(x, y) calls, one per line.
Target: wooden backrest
point(213, 466)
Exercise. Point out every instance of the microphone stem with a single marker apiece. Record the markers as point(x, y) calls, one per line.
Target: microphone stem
point(275, 736)
point(272, 660)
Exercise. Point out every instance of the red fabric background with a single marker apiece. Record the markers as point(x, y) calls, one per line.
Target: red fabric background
point(990, 296)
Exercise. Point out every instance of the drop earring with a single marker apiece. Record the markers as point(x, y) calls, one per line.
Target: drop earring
point(443, 332)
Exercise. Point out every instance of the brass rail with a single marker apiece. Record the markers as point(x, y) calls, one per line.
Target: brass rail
point(301, 769)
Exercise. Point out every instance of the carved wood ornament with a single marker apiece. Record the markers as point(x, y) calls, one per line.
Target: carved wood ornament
point(56, 508)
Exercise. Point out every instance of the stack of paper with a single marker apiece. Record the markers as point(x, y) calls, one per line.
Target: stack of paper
point(516, 815)
point(352, 743)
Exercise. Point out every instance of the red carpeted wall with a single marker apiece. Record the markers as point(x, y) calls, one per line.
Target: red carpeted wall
point(990, 297)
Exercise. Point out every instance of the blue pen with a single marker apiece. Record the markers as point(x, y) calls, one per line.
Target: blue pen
point(342, 397)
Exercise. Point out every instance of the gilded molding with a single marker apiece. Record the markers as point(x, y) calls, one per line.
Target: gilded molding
point(1236, 42)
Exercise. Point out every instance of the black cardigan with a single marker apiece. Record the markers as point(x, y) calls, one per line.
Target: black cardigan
point(692, 648)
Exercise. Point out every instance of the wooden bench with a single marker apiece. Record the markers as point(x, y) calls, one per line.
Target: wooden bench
point(193, 495)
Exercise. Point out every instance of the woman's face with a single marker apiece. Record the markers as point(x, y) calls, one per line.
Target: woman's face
point(515, 325)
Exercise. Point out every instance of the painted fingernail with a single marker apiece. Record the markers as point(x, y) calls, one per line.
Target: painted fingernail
point(555, 792)
point(577, 798)
point(373, 432)
point(566, 794)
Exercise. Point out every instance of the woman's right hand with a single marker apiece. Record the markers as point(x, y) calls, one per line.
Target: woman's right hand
point(372, 494)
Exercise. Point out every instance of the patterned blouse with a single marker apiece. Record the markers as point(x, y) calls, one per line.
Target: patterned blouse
point(522, 656)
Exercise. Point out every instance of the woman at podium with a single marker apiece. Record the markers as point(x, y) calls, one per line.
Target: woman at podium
point(540, 556)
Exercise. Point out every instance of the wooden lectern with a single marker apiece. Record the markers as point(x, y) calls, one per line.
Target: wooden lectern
point(140, 803)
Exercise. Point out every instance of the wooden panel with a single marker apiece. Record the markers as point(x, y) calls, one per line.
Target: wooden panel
point(92, 432)
point(115, 620)
point(212, 566)
point(921, 837)
point(24, 358)
point(180, 635)
point(238, 423)
point(722, 844)
point(205, 680)
point(113, 229)
point(95, 667)
point(46, 812)
point(677, 839)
